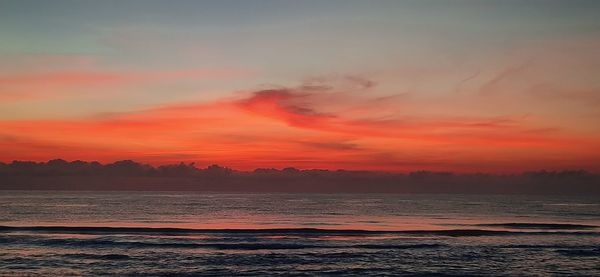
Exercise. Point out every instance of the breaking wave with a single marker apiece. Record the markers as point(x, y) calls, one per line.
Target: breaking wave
point(308, 232)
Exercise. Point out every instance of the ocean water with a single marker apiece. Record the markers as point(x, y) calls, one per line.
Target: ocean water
point(200, 234)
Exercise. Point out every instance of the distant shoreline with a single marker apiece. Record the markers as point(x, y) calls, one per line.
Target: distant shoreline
point(128, 175)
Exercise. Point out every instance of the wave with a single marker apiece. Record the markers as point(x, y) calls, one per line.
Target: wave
point(563, 249)
point(97, 256)
point(104, 243)
point(285, 231)
point(551, 226)
point(594, 252)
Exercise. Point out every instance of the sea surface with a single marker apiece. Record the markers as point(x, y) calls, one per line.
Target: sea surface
point(47, 233)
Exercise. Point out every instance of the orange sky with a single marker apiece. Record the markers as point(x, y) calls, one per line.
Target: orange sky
point(464, 86)
point(306, 127)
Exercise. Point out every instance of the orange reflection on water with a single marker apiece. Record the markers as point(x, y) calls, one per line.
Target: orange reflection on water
point(285, 221)
point(355, 238)
point(59, 235)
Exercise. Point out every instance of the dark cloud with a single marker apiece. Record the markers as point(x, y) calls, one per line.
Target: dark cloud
point(59, 174)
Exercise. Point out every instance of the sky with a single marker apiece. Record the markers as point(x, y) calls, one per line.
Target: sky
point(464, 86)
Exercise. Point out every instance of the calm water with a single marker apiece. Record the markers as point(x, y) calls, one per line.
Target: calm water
point(99, 233)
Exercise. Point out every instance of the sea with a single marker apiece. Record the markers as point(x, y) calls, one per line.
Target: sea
point(51, 233)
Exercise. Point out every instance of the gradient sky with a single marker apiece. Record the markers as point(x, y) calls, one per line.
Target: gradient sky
point(494, 86)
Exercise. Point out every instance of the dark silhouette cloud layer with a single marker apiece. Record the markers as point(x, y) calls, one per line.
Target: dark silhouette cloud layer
point(129, 175)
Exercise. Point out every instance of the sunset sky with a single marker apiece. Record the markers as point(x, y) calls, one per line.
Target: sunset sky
point(465, 86)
